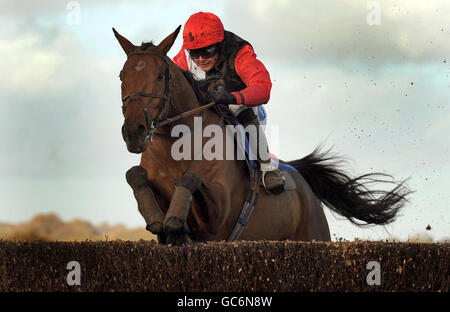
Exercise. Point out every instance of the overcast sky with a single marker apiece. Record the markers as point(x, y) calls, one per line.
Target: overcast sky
point(379, 94)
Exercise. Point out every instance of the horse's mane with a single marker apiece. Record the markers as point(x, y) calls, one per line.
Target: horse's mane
point(146, 45)
point(197, 86)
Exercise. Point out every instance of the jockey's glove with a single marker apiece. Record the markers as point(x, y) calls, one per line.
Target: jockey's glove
point(221, 96)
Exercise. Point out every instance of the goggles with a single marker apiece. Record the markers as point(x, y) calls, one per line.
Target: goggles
point(206, 52)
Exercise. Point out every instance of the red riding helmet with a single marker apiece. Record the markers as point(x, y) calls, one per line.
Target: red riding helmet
point(202, 29)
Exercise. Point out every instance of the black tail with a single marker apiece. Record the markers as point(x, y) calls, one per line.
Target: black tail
point(351, 197)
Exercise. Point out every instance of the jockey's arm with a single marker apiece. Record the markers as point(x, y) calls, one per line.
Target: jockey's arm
point(252, 72)
point(255, 76)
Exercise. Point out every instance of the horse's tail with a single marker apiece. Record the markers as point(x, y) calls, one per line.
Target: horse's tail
point(351, 197)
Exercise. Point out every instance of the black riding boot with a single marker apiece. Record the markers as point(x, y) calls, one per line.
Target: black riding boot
point(273, 179)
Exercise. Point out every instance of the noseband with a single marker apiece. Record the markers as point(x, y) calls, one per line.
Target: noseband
point(167, 97)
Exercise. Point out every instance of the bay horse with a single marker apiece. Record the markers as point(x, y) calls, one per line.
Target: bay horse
point(201, 199)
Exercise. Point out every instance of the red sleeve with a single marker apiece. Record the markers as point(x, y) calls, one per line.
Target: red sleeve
point(180, 60)
point(256, 77)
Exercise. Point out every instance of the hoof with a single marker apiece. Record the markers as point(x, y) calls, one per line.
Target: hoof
point(162, 238)
point(157, 229)
point(174, 226)
point(178, 239)
point(177, 232)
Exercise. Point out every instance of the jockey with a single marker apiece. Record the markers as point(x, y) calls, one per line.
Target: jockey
point(211, 54)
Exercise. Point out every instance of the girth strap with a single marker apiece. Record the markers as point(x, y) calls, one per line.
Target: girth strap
point(249, 206)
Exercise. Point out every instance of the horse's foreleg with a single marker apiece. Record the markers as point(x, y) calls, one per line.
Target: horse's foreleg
point(175, 220)
point(147, 204)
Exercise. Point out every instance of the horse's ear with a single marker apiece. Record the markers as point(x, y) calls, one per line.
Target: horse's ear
point(167, 43)
point(127, 46)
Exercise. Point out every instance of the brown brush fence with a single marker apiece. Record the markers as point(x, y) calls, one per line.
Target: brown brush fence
point(243, 266)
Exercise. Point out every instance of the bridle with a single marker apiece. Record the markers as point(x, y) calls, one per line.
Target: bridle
point(152, 125)
point(162, 119)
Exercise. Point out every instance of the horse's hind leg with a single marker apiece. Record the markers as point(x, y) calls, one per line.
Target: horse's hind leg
point(147, 204)
point(175, 221)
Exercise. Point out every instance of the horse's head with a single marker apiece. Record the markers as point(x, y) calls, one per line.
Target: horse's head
point(146, 92)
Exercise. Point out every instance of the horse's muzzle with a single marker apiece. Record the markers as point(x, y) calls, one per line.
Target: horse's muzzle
point(135, 136)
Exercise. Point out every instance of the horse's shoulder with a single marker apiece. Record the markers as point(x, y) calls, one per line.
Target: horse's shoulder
point(211, 198)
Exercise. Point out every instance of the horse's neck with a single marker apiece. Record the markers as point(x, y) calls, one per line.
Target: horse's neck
point(182, 92)
point(184, 99)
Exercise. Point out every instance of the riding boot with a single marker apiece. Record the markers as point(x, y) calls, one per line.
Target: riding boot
point(272, 178)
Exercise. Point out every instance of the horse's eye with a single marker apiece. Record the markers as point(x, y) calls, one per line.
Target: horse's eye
point(160, 77)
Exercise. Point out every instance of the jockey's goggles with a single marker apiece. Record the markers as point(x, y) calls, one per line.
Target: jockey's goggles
point(206, 52)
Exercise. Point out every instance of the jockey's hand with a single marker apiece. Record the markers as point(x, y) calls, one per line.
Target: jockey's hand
point(221, 96)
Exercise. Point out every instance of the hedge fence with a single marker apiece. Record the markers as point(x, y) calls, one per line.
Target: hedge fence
point(218, 266)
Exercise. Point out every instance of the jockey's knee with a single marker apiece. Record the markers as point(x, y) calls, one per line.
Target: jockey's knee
point(136, 177)
point(247, 117)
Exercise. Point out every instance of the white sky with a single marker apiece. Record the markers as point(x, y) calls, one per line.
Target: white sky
point(379, 94)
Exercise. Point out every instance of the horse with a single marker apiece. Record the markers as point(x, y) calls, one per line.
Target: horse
point(192, 199)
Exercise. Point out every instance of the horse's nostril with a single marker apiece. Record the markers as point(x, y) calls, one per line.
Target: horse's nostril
point(141, 130)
